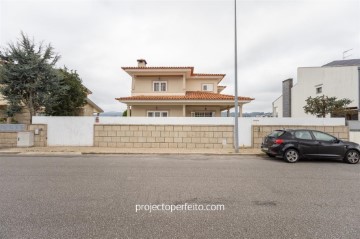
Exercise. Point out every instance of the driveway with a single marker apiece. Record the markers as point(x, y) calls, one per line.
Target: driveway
point(100, 197)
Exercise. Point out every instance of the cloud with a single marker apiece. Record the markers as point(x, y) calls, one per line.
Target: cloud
point(97, 38)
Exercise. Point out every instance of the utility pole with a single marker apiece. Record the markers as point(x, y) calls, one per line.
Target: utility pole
point(236, 126)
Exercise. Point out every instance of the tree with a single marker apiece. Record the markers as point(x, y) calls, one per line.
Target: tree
point(124, 114)
point(323, 105)
point(72, 99)
point(28, 76)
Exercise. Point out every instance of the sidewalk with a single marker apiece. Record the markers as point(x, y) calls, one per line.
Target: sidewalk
point(100, 150)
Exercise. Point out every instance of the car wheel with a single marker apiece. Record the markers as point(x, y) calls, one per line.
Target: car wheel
point(270, 155)
point(352, 156)
point(291, 155)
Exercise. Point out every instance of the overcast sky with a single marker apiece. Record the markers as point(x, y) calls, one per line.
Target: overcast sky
point(275, 37)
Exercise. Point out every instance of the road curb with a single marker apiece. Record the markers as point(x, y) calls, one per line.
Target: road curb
point(78, 153)
point(9, 152)
point(51, 153)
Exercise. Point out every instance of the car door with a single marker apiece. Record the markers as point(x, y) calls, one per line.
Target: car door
point(307, 146)
point(329, 146)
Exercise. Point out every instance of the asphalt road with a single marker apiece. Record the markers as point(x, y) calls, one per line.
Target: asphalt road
point(96, 197)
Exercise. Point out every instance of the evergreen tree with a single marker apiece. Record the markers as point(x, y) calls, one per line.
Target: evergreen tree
point(72, 99)
point(28, 77)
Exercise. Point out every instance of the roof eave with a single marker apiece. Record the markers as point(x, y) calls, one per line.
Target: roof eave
point(95, 106)
point(193, 101)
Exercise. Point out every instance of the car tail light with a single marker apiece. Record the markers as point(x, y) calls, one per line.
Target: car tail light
point(279, 141)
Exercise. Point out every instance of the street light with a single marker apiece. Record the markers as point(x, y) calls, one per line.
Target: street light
point(236, 126)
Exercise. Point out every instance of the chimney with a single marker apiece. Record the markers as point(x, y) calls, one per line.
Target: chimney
point(141, 63)
point(286, 90)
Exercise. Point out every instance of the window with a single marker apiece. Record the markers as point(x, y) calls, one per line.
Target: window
point(323, 137)
point(319, 90)
point(207, 87)
point(157, 114)
point(276, 133)
point(160, 86)
point(202, 114)
point(303, 135)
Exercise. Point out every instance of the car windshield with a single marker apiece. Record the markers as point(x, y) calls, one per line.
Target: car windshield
point(277, 133)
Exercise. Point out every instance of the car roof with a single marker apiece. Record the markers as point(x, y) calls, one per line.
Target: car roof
point(293, 130)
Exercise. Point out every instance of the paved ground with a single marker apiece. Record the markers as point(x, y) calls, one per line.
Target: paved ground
point(95, 197)
point(103, 150)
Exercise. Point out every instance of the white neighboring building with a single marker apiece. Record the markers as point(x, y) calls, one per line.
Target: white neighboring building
point(277, 107)
point(338, 78)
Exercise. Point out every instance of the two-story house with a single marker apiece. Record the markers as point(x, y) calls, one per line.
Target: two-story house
point(176, 92)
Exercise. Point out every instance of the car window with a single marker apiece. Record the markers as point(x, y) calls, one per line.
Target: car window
point(303, 135)
point(322, 136)
point(277, 133)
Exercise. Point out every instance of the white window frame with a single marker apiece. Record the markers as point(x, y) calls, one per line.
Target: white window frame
point(319, 89)
point(160, 112)
point(160, 86)
point(207, 87)
point(203, 114)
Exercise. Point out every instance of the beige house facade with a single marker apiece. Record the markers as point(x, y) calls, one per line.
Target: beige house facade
point(23, 117)
point(177, 92)
point(90, 108)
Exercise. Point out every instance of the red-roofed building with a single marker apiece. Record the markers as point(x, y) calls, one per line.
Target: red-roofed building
point(176, 92)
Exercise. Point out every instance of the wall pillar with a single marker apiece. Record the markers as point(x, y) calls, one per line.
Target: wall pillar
point(184, 110)
point(184, 83)
point(128, 111)
point(240, 110)
point(359, 94)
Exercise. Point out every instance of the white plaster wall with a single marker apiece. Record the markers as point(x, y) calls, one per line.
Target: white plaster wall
point(68, 131)
point(341, 82)
point(354, 136)
point(278, 107)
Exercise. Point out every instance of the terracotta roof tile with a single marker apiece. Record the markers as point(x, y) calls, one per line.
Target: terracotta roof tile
point(170, 68)
point(190, 95)
point(202, 74)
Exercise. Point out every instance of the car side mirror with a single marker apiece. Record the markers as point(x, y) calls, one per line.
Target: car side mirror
point(336, 140)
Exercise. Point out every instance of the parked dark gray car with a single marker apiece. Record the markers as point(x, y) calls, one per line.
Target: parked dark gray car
point(303, 143)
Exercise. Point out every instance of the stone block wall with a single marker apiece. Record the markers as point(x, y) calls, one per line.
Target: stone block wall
point(163, 136)
point(40, 140)
point(260, 131)
point(8, 139)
